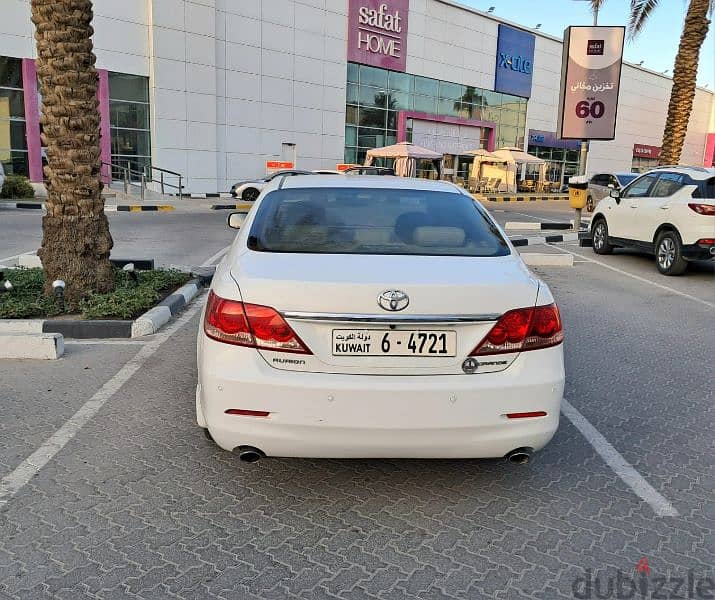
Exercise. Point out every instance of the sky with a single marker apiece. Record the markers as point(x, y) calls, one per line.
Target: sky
point(656, 44)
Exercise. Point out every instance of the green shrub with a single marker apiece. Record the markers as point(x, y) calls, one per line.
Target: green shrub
point(127, 301)
point(16, 186)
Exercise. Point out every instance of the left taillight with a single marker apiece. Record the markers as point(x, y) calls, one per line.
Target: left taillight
point(523, 329)
point(252, 325)
point(703, 209)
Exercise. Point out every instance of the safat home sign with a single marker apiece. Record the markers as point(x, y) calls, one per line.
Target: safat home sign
point(377, 33)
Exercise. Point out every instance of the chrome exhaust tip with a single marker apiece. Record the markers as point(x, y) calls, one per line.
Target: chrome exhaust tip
point(249, 454)
point(519, 456)
point(712, 250)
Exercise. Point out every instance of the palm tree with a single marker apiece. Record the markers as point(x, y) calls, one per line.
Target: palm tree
point(75, 232)
point(685, 70)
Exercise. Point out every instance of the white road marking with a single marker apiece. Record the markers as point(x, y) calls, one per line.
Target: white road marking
point(215, 258)
point(513, 212)
point(620, 466)
point(637, 277)
point(12, 483)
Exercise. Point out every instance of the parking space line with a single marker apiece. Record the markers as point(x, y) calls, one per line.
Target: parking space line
point(2, 260)
point(108, 342)
point(620, 466)
point(215, 258)
point(12, 483)
point(637, 277)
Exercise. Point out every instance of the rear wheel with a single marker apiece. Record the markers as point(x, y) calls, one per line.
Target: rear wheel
point(669, 254)
point(589, 204)
point(600, 238)
point(249, 194)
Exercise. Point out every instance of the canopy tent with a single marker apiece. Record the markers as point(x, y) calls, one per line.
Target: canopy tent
point(503, 164)
point(406, 156)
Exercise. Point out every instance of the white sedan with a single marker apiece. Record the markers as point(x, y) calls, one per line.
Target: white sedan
point(376, 317)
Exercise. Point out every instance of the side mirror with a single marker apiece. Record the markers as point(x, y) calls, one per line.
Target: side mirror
point(235, 220)
point(615, 194)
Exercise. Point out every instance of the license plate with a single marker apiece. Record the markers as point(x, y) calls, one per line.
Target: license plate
point(379, 342)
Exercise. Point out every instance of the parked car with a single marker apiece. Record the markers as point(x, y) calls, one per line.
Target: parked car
point(600, 185)
point(376, 317)
point(362, 170)
point(669, 212)
point(248, 190)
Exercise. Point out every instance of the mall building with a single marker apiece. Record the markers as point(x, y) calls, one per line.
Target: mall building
point(213, 89)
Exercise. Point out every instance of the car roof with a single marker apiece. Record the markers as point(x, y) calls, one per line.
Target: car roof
point(693, 172)
point(368, 181)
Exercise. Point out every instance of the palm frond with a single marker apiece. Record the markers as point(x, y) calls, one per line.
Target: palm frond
point(640, 11)
point(596, 5)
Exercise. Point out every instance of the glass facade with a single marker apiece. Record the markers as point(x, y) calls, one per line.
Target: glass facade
point(13, 139)
point(129, 120)
point(375, 96)
point(561, 163)
point(641, 164)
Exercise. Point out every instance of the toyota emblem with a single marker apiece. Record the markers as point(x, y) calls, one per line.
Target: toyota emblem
point(393, 300)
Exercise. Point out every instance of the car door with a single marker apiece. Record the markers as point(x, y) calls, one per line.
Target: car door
point(653, 210)
point(622, 219)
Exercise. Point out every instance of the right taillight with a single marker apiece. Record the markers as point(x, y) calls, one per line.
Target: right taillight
point(252, 325)
point(702, 209)
point(523, 329)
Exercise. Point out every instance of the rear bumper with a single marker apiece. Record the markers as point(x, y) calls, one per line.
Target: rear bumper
point(695, 252)
point(352, 416)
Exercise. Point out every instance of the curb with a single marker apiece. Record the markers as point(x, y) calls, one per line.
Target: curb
point(31, 260)
point(146, 324)
point(41, 346)
point(552, 198)
point(242, 206)
point(107, 207)
point(208, 195)
point(153, 319)
point(528, 225)
point(548, 239)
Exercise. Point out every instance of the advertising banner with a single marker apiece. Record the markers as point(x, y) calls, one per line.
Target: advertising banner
point(590, 78)
point(515, 61)
point(377, 33)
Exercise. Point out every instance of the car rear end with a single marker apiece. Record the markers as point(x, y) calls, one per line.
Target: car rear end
point(696, 219)
point(356, 320)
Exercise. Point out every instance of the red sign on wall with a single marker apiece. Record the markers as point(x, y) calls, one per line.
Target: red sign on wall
point(377, 33)
point(344, 166)
point(274, 165)
point(644, 151)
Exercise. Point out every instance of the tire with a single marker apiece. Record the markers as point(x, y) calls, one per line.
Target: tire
point(249, 194)
point(207, 434)
point(669, 254)
point(599, 234)
point(590, 205)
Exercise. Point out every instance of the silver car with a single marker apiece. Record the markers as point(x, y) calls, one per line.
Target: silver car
point(601, 184)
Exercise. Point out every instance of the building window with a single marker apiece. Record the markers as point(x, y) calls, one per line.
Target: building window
point(129, 122)
point(561, 163)
point(642, 164)
point(375, 96)
point(13, 132)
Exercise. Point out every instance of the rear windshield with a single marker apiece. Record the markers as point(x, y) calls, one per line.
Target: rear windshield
point(373, 221)
point(626, 179)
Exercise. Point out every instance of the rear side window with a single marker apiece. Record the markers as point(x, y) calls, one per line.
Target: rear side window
point(667, 185)
point(373, 221)
point(706, 189)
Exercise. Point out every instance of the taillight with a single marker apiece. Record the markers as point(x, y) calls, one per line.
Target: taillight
point(706, 242)
point(523, 329)
point(251, 325)
point(703, 209)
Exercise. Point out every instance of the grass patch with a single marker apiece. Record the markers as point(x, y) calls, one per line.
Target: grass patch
point(127, 301)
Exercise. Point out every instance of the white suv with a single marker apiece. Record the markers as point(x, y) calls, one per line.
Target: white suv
point(669, 211)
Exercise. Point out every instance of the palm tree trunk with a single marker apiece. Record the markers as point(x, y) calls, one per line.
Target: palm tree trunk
point(76, 239)
point(684, 79)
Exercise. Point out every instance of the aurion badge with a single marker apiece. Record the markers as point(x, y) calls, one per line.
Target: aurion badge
point(393, 300)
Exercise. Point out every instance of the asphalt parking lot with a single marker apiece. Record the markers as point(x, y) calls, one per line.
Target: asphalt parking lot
point(109, 490)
